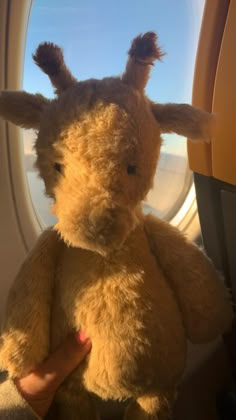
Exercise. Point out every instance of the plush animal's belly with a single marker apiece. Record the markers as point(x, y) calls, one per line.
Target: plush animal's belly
point(126, 307)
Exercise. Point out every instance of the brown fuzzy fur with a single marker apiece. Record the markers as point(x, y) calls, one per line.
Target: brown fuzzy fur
point(143, 52)
point(135, 285)
point(145, 48)
point(184, 120)
point(23, 109)
point(49, 58)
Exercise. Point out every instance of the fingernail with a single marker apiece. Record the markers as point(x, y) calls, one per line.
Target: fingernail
point(81, 337)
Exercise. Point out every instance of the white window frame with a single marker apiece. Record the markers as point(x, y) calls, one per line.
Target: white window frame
point(19, 228)
point(16, 24)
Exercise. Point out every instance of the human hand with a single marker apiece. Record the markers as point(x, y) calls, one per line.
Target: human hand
point(39, 387)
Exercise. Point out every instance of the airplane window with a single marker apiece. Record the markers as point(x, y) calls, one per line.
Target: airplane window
point(95, 37)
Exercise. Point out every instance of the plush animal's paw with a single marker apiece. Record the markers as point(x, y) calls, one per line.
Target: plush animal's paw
point(134, 413)
point(148, 408)
point(18, 355)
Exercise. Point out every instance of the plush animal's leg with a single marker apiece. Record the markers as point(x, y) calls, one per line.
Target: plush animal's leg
point(149, 407)
point(80, 407)
point(25, 334)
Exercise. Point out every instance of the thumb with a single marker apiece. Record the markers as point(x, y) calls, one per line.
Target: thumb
point(39, 387)
point(64, 360)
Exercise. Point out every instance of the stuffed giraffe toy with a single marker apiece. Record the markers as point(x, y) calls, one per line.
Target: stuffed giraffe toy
point(132, 282)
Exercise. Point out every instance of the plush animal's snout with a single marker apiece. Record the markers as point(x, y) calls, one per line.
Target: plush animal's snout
point(107, 229)
point(95, 225)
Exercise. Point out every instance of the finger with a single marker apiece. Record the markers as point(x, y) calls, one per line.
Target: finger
point(64, 360)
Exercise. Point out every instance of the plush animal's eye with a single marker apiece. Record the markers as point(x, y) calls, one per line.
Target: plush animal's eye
point(57, 167)
point(131, 169)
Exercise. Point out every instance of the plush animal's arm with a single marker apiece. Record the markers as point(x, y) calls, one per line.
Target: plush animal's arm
point(201, 295)
point(25, 334)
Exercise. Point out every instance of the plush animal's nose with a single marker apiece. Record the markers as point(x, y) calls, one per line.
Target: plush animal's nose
point(109, 227)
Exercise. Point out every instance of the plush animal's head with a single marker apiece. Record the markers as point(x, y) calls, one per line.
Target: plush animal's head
point(98, 143)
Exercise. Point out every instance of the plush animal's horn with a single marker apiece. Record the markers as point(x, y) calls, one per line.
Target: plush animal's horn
point(143, 52)
point(49, 58)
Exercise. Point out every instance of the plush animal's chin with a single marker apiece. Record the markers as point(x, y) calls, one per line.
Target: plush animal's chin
point(94, 246)
point(103, 240)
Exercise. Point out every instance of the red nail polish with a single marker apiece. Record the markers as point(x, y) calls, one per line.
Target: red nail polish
point(81, 337)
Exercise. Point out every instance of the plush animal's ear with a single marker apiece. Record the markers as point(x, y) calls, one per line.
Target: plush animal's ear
point(185, 120)
point(21, 108)
point(49, 58)
point(142, 54)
